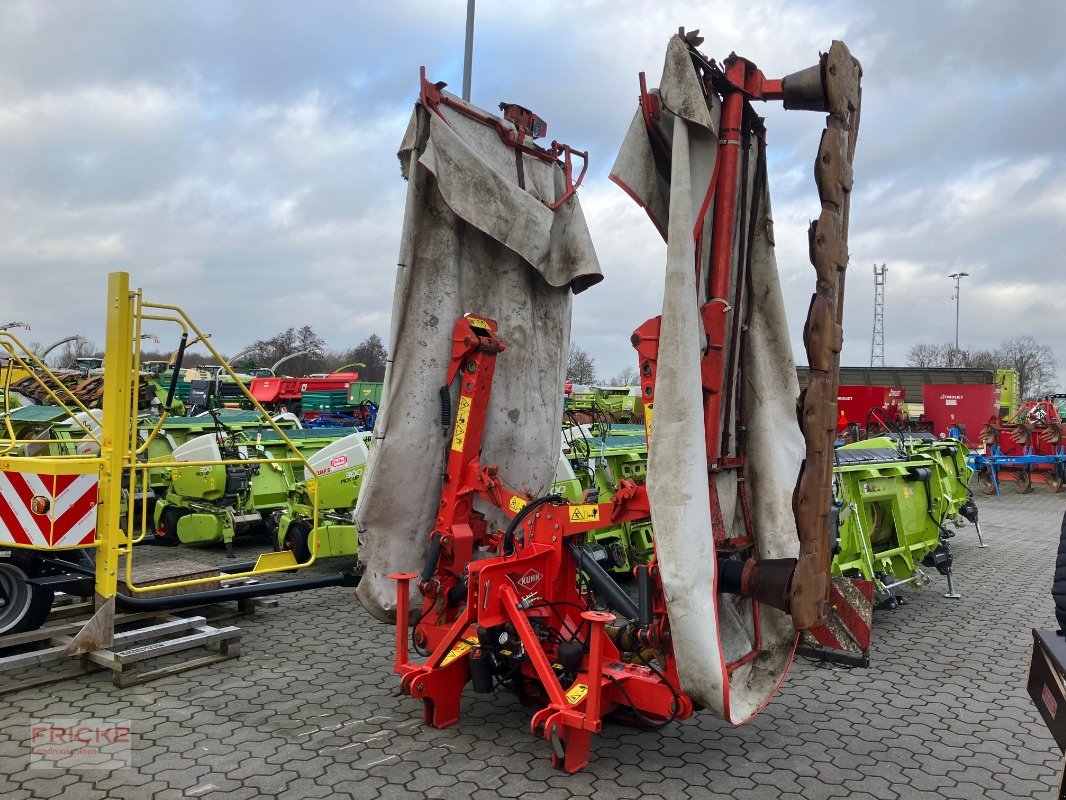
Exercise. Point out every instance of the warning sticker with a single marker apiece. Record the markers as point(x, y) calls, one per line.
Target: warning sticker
point(517, 504)
point(460, 650)
point(477, 322)
point(577, 693)
point(462, 419)
point(584, 513)
point(1049, 700)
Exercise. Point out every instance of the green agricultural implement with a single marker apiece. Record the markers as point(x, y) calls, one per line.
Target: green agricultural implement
point(614, 403)
point(210, 504)
point(899, 498)
point(339, 468)
point(896, 498)
point(596, 457)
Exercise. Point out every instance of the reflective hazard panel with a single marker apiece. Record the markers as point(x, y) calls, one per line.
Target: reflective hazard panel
point(584, 513)
point(576, 693)
point(462, 419)
point(461, 649)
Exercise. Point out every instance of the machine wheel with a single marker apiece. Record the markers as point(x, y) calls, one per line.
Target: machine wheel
point(297, 539)
point(23, 606)
point(167, 533)
point(1023, 483)
point(985, 479)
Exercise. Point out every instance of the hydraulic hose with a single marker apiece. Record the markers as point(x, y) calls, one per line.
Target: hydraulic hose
point(603, 583)
point(177, 370)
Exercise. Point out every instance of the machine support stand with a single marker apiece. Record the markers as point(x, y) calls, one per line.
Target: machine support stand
point(951, 593)
point(980, 539)
point(598, 620)
point(403, 603)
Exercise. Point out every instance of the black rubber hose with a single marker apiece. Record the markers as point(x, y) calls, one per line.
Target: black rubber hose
point(644, 595)
point(435, 547)
point(177, 371)
point(508, 535)
point(604, 584)
point(235, 593)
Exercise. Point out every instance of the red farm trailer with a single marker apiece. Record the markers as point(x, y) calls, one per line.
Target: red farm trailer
point(967, 407)
point(855, 404)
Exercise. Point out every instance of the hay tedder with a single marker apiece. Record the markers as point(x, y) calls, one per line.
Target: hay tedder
point(1028, 448)
point(510, 595)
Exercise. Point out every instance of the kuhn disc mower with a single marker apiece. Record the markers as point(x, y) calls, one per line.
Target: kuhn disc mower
point(507, 595)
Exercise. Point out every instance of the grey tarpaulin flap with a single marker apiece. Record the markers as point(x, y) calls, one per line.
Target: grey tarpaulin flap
point(473, 241)
point(710, 630)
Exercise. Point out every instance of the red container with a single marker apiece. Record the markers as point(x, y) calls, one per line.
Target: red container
point(275, 390)
point(855, 402)
point(288, 390)
point(966, 406)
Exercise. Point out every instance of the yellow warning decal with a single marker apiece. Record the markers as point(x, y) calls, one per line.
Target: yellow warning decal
point(460, 649)
point(577, 693)
point(477, 322)
point(648, 413)
point(584, 513)
point(462, 419)
point(517, 504)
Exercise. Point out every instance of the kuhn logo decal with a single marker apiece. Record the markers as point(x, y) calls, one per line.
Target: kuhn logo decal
point(530, 579)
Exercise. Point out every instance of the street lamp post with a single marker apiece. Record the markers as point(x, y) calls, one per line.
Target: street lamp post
point(958, 276)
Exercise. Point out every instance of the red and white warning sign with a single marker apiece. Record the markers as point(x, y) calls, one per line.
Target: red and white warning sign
point(44, 510)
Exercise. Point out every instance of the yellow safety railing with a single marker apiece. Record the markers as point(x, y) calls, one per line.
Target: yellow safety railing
point(120, 461)
point(268, 562)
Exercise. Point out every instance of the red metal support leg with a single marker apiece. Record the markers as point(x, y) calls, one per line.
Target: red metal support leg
point(403, 609)
point(593, 707)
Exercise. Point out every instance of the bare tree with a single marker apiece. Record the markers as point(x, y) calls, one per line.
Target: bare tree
point(627, 377)
point(293, 340)
point(580, 366)
point(937, 355)
point(1035, 364)
point(68, 356)
point(926, 355)
point(371, 353)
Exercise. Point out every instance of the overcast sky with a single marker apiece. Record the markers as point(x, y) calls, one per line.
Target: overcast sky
point(238, 158)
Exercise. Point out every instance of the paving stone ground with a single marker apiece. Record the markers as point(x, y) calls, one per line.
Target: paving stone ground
point(310, 710)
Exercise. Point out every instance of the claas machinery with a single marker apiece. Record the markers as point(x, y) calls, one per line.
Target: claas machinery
point(898, 498)
point(337, 474)
point(211, 504)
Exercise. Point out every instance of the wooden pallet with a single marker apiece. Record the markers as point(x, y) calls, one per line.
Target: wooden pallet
point(149, 636)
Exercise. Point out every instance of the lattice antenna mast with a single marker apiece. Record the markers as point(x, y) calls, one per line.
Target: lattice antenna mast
point(877, 346)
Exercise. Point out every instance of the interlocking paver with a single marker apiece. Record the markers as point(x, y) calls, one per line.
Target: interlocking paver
point(310, 710)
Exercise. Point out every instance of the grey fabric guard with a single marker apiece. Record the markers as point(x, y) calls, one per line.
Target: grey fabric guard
point(473, 241)
point(710, 630)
